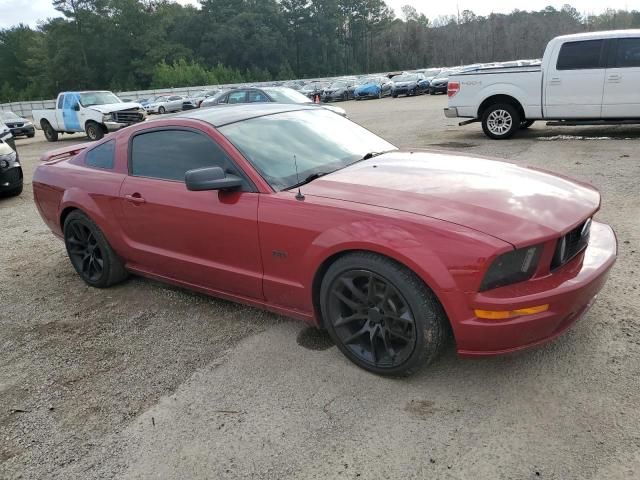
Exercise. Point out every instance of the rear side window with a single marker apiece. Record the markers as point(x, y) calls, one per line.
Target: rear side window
point(580, 55)
point(169, 154)
point(101, 156)
point(256, 96)
point(237, 97)
point(628, 53)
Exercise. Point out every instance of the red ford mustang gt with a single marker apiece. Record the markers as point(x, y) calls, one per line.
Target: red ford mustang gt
point(303, 212)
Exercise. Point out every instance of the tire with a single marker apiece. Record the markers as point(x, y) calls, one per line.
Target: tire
point(394, 96)
point(431, 92)
point(162, 110)
point(345, 96)
point(526, 124)
point(380, 94)
point(500, 121)
point(375, 339)
point(94, 131)
point(12, 193)
point(82, 237)
point(49, 133)
point(31, 135)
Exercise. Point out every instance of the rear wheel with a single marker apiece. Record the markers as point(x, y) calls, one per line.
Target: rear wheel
point(49, 133)
point(500, 121)
point(91, 255)
point(380, 315)
point(94, 131)
point(162, 110)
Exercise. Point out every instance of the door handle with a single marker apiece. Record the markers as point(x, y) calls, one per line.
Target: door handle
point(135, 198)
point(615, 78)
point(555, 81)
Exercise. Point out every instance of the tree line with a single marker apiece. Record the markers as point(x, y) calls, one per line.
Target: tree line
point(138, 44)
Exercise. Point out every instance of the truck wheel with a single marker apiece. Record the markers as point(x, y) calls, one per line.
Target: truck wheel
point(94, 131)
point(526, 124)
point(500, 121)
point(50, 134)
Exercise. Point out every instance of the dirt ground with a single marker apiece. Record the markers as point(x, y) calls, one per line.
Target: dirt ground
point(148, 381)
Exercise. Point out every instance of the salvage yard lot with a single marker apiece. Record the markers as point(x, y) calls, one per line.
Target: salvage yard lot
point(146, 380)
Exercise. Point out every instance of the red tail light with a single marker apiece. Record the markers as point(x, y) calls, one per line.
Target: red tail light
point(453, 88)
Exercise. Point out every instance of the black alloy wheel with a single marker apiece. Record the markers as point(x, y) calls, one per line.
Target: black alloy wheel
point(380, 315)
point(91, 255)
point(84, 251)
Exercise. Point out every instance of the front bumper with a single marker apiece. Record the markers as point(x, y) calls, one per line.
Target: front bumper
point(569, 292)
point(369, 94)
point(27, 130)
point(113, 126)
point(439, 88)
point(10, 178)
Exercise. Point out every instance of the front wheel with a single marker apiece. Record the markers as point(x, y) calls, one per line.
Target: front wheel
point(91, 255)
point(500, 121)
point(49, 133)
point(381, 315)
point(94, 131)
point(162, 110)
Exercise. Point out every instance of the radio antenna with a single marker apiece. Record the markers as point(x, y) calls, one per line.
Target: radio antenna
point(299, 195)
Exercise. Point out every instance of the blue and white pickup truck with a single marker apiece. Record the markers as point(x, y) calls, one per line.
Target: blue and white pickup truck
point(94, 112)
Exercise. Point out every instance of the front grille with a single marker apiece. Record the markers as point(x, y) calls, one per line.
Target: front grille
point(128, 116)
point(15, 125)
point(571, 244)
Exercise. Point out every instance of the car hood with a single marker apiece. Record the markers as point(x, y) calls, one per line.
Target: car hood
point(515, 204)
point(115, 107)
point(367, 86)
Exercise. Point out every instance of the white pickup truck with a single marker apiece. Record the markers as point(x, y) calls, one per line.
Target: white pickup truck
point(95, 112)
point(584, 79)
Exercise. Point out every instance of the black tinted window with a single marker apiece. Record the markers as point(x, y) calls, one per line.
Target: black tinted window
point(580, 55)
point(169, 154)
point(101, 156)
point(628, 54)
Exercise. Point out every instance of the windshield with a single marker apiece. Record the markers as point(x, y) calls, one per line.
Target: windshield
point(364, 81)
point(320, 140)
point(286, 95)
point(9, 116)
point(443, 74)
point(432, 73)
point(338, 85)
point(405, 78)
point(98, 98)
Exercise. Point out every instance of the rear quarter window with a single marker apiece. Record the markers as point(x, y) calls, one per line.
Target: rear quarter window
point(101, 156)
point(580, 55)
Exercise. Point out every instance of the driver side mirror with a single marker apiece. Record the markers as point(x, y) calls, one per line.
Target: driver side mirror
point(210, 178)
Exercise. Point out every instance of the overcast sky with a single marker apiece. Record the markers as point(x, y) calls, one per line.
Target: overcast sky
point(30, 11)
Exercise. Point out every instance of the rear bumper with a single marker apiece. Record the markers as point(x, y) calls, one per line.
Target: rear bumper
point(570, 292)
point(451, 112)
point(23, 131)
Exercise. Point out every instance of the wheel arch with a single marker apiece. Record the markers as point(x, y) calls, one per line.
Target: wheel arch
point(501, 98)
point(428, 281)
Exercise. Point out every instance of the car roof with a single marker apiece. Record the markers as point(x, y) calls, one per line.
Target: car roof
point(221, 115)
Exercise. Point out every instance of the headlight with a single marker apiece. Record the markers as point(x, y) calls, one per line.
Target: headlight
point(27, 124)
point(106, 117)
point(8, 159)
point(512, 267)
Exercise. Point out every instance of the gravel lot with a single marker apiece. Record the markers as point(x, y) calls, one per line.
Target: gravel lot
point(148, 381)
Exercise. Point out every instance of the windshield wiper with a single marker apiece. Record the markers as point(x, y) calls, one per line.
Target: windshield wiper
point(309, 179)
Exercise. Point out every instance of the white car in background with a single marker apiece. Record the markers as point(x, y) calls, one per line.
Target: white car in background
point(164, 104)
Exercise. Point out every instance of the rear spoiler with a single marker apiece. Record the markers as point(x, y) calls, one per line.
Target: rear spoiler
point(62, 153)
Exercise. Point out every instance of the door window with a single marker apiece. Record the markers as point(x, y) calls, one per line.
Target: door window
point(580, 55)
point(257, 96)
point(237, 97)
point(169, 154)
point(628, 53)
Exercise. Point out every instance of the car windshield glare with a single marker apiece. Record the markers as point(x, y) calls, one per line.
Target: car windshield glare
point(320, 141)
point(406, 78)
point(98, 98)
point(287, 95)
point(9, 116)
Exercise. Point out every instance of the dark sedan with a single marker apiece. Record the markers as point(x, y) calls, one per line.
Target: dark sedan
point(440, 82)
point(11, 177)
point(20, 127)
